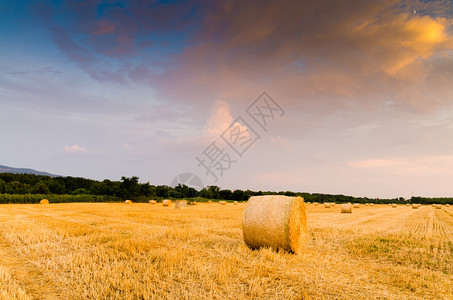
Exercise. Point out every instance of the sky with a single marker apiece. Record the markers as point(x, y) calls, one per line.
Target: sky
point(341, 97)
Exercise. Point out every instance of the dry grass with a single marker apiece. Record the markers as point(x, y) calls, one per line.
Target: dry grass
point(142, 251)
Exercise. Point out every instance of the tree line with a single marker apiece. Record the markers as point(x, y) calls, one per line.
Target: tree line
point(83, 189)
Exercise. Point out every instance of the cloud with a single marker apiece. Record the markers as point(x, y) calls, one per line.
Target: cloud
point(219, 120)
point(308, 53)
point(280, 142)
point(74, 149)
point(404, 165)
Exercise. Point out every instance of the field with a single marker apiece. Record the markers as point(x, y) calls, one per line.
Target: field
point(143, 251)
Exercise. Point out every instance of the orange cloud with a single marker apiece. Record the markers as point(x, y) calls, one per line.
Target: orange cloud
point(220, 118)
point(74, 149)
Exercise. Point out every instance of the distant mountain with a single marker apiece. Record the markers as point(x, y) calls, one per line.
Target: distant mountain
point(5, 169)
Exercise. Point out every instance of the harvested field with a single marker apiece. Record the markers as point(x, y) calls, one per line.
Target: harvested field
point(142, 251)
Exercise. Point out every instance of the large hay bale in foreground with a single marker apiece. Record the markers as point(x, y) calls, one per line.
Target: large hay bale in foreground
point(222, 202)
point(276, 221)
point(128, 201)
point(179, 204)
point(327, 205)
point(44, 201)
point(356, 205)
point(346, 208)
point(166, 202)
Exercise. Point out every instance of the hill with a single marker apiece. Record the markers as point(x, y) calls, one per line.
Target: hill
point(6, 169)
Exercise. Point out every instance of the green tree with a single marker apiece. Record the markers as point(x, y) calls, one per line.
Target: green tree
point(129, 187)
point(40, 188)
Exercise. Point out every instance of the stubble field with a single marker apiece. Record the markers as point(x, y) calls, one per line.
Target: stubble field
point(144, 251)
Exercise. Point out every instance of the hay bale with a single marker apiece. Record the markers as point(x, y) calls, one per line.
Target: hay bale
point(438, 206)
point(394, 205)
point(356, 205)
point(447, 205)
point(44, 201)
point(235, 203)
point(371, 204)
point(327, 205)
point(346, 208)
point(276, 221)
point(222, 202)
point(407, 204)
point(332, 204)
point(414, 206)
point(315, 203)
point(209, 201)
point(180, 204)
point(128, 201)
point(166, 202)
point(152, 201)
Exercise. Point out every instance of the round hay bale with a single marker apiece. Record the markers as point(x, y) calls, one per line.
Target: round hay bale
point(222, 202)
point(315, 203)
point(438, 206)
point(394, 205)
point(235, 203)
point(332, 204)
point(327, 205)
point(346, 208)
point(356, 205)
point(414, 206)
point(44, 201)
point(371, 204)
point(276, 221)
point(407, 204)
point(128, 201)
point(166, 202)
point(447, 205)
point(180, 204)
point(152, 201)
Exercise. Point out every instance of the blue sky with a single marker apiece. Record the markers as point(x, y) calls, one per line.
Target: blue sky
point(104, 89)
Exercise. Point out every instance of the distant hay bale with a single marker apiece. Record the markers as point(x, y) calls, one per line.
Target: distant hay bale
point(152, 201)
point(209, 201)
point(371, 204)
point(447, 205)
point(128, 201)
point(235, 203)
point(346, 208)
point(394, 205)
point(414, 206)
point(166, 202)
point(356, 205)
point(438, 206)
point(315, 203)
point(222, 202)
point(332, 204)
point(327, 205)
point(180, 204)
point(44, 201)
point(407, 204)
point(276, 221)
